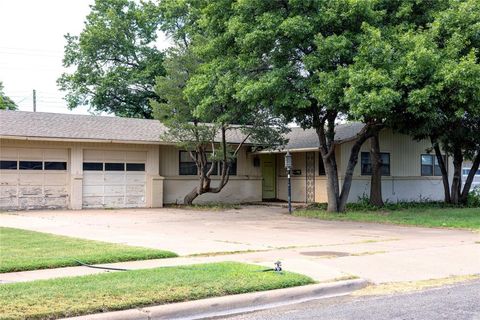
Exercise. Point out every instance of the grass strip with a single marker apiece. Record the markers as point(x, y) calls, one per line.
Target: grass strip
point(22, 250)
point(66, 297)
point(464, 218)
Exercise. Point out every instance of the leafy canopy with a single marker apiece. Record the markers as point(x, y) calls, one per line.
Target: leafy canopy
point(115, 59)
point(5, 102)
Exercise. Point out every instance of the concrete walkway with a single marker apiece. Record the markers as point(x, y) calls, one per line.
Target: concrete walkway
point(323, 250)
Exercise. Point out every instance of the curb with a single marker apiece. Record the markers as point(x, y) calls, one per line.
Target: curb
point(234, 304)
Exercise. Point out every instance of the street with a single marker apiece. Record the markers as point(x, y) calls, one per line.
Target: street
point(455, 302)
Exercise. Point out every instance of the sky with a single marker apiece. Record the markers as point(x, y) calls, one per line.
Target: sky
point(31, 49)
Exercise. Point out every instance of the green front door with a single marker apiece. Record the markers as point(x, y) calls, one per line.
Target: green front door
point(268, 175)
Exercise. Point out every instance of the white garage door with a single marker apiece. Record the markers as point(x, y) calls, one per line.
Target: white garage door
point(114, 179)
point(33, 178)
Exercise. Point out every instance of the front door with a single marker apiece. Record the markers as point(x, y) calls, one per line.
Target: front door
point(268, 175)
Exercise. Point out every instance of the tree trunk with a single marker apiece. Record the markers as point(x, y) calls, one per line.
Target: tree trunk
point(192, 195)
point(352, 162)
point(443, 169)
point(376, 179)
point(470, 177)
point(332, 185)
point(457, 175)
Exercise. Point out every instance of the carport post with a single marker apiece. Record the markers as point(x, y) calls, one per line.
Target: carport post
point(288, 166)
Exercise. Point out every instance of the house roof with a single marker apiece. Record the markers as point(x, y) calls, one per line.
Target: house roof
point(300, 139)
point(59, 126)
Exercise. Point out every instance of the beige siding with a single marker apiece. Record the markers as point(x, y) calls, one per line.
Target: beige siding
point(69, 185)
point(245, 186)
point(405, 182)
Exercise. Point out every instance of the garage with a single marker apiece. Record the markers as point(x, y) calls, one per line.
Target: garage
point(114, 179)
point(32, 178)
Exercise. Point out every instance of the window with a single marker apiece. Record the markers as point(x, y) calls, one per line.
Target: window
point(114, 166)
point(233, 167)
point(430, 166)
point(321, 166)
point(135, 166)
point(187, 166)
point(31, 165)
point(54, 165)
point(8, 165)
point(366, 164)
point(93, 166)
point(466, 172)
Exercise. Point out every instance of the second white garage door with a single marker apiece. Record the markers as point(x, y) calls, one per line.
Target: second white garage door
point(114, 179)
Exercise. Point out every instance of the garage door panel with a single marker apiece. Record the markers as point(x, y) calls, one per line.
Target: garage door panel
point(9, 178)
point(31, 202)
point(9, 153)
point(92, 190)
point(7, 191)
point(30, 154)
point(30, 177)
point(135, 178)
point(56, 179)
point(55, 202)
point(34, 189)
point(55, 191)
point(136, 156)
point(9, 203)
point(135, 190)
point(114, 178)
point(92, 178)
point(114, 189)
point(114, 202)
point(30, 191)
point(114, 156)
point(118, 191)
point(92, 201)
point(56, 155)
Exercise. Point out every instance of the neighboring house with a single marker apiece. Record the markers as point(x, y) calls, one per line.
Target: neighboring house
point(466, 170)
point(78, 161)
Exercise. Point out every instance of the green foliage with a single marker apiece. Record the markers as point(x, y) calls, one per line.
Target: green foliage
point(22, 250)
point(72, 296)
point(424, 215)
point(114, 58)
point(5, 102)
point(474, 198)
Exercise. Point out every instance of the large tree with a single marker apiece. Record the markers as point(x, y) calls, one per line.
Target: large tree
point(386, 55)
point(433, 72)
point(200, 110)
point(5, 102)
point(295, 56)
point(114, 59)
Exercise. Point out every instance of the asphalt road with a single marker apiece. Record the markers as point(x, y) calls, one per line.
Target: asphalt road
point(457, 302)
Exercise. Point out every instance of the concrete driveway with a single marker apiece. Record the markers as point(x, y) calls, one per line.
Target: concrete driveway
point(321, 249)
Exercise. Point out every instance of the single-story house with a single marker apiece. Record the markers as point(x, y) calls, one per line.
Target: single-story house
point(50, 160)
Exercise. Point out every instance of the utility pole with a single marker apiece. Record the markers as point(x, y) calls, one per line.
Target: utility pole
point(34, 100)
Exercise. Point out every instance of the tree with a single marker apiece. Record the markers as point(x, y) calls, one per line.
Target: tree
point(295, 56)
point(115, 59)
point(201, 111)
point(431, 67)
point(5, 102)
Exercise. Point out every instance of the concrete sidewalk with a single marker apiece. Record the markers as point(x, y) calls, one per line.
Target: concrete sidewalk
point(373, 261)
point(323, 250)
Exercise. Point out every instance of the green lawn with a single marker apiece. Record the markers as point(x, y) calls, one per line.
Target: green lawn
point(22, 250)
point(49, 299)
point(468, 218)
